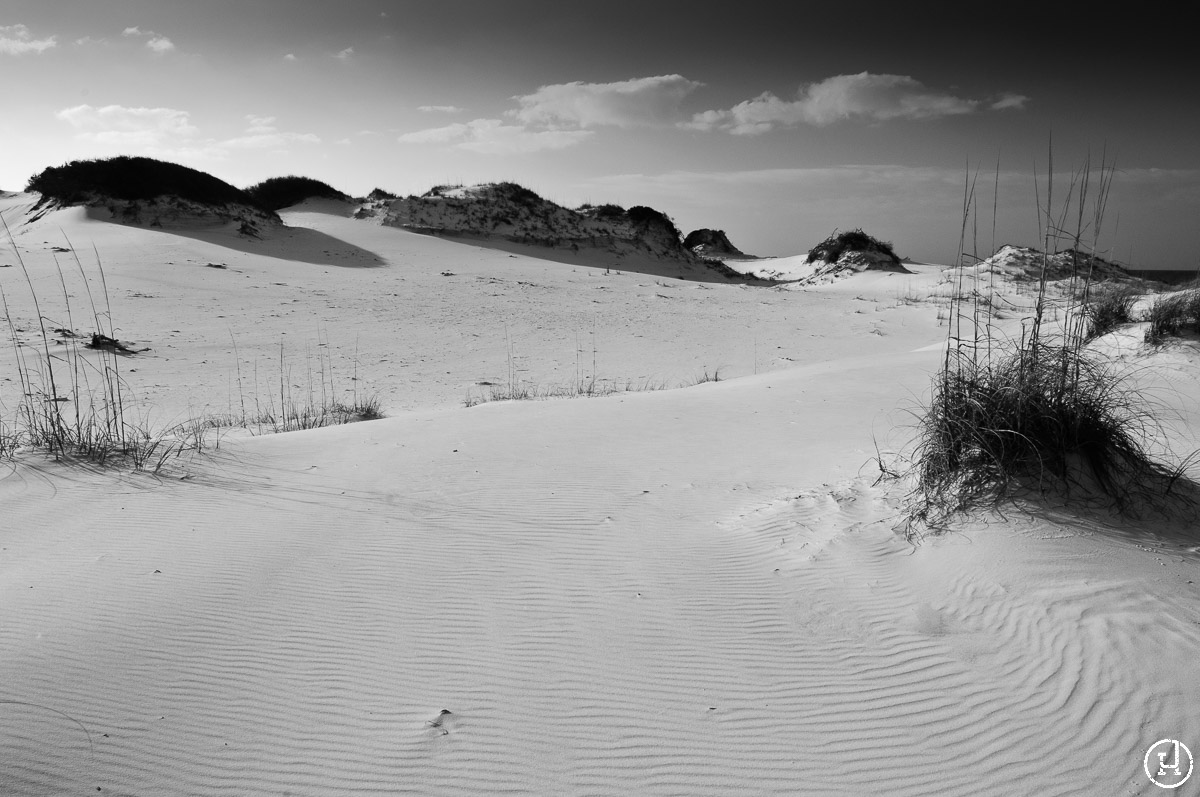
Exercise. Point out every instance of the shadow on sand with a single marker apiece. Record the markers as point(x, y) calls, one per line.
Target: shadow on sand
point(299, 244)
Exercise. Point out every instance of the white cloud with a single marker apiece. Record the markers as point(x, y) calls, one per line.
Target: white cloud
point(275, 140)
point(493, 137)
point(117, 124)
point(260, 124)
point(863, 96)
point(559, 115)
point(157, 43)
point(629, 103)
point(167, 131)
point(160, 44)
point(261, 133)
point(1009, 101)
point(289, 57)
point(345, 55)
point(17, 40)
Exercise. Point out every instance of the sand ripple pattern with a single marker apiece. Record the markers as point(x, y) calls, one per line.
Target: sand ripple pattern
point(553, 635)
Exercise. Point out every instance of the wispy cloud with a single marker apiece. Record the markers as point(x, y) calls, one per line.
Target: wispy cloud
point(117, 124)
point(866, 96)
point(155, 42)
point(647, 101)
point(494, 137)
point(345, 55)
point(18, 40)
point(170, 132)
point(1009, 101)
point(563, 115)
point(261, 133)
point(289, 57)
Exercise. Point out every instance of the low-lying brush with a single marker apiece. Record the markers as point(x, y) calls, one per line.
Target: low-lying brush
point(1173, 314)
point(132, 178)
point(837, 244)
point(1109, 307)
point(277, 193)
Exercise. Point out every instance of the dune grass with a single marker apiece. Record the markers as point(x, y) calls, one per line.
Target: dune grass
point(75, 405)
point(530, 391)
point(586, 387)
point(1173, 314)
point(1109, 307)
point(1040, 415)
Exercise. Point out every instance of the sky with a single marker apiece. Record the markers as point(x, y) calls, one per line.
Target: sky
point(776, 125)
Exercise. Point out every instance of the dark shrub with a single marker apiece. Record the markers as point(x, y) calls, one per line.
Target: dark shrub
point(517, 194)
point(276, 193)
point(133, 178)
point(833, 247)
point(644, 217)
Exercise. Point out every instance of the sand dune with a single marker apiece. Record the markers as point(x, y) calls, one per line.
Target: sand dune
point(690, 591)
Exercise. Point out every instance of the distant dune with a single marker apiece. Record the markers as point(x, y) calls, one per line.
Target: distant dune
point(509, 216)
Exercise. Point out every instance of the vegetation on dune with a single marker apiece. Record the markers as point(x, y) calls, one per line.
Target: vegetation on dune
point(1110, 306)
point(517, 194)
point(1040, 416)
point(378, 194)
point(832, 248)
point(1173, 314)
point(644, 217)
point(133, 178)
point(74, 403)
point(276, 193)
point(605, 212)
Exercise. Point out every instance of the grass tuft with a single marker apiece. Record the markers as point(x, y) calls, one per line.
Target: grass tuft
point(1109, 307)
point(1040, 416)
point(75, 405)
point(1173, 314)
point(1044, 419)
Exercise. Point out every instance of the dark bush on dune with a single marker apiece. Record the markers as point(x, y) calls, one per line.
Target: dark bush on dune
point(606, 212)
point(645, 217)
point(379, 194)
point(133, 178)
point(517, 194)
point(276, 193)
point(833, 247)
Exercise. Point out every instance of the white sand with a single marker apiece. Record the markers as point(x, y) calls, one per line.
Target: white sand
point(693, 591)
